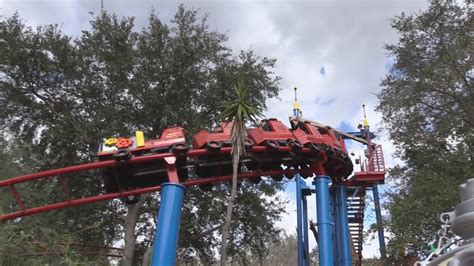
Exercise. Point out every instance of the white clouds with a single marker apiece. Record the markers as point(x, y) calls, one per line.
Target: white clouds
point(346, 37)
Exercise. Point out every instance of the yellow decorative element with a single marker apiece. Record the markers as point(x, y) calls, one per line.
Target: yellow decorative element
point(110, 142)
point(139, 138)
point(366, 122)
point(296, 105)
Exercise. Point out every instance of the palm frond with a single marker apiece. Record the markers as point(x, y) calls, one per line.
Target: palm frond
point(241, 105)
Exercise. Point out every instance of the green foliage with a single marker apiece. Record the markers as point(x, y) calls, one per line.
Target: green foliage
point(61, 96)
point(428, 106)
point(8, 169)
point(282, 252)
point(251, 232)
point(372, 262)
point(43, 246)
point(240, 106)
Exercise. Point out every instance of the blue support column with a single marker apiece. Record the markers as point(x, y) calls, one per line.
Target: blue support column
point(299, 213)
point(325, 226)
point(302, 190)
point(305, 232)
point(344, 246)
point(378, 216)
point(335, 219)
point(167, 229)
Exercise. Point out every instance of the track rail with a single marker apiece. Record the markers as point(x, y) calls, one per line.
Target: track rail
point(262, 152)
point(109, 196)
point(135, 160)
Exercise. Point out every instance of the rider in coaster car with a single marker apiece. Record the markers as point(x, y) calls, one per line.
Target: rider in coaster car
point(362, 130)
point(295, 124)
point(264, 125)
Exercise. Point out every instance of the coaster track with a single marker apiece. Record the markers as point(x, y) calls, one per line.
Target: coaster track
point(170, 170)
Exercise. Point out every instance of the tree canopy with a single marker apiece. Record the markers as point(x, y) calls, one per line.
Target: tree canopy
point(427, 105)
point(60, 95)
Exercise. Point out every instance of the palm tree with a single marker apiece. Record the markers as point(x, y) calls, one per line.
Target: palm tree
point(239, 109)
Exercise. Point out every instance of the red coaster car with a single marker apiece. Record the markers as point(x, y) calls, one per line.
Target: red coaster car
point(318, 138)
point(215, 163)
point(171, 140)
point(214, 139)
point(325, 140)
point(272, 134)
point(126, 177)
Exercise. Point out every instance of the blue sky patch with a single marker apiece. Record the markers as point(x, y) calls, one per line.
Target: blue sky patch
point(347, 126)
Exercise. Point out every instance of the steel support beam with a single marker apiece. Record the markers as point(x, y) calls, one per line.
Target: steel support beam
point(302, 190)
point(299, 219)
point(378, 216)
point(325, 226)
point(342, 227)
point(167, 229)
point(305, 232)
point(335, 218)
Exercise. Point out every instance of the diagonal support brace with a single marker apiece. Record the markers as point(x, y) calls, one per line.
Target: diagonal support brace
point(171, 169)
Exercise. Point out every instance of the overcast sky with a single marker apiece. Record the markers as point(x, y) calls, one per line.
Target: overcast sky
point(333, 51)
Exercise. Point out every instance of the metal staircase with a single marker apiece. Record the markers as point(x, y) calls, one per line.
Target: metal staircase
point(376, 161)
point(372, 172)
point(355, 208)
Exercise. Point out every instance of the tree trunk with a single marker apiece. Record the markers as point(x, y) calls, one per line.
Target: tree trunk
point(131, 219)
point(147, 256)
point(228, 217)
